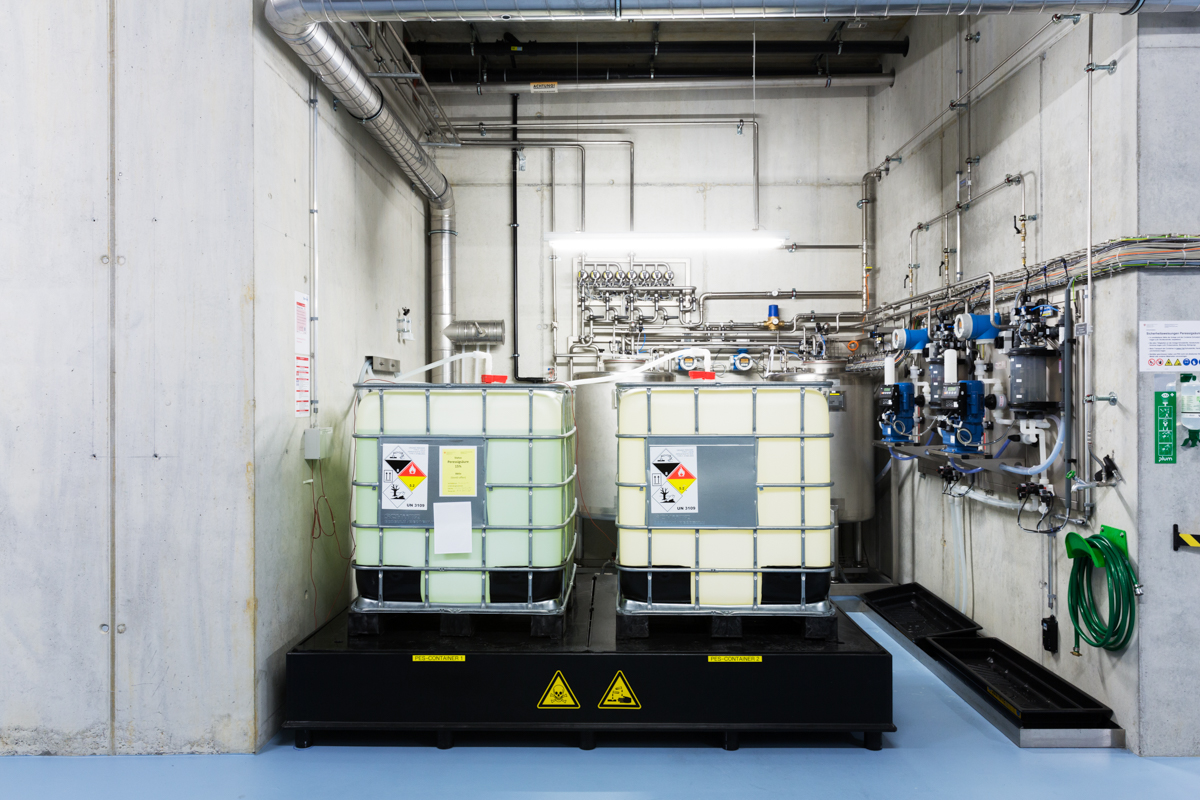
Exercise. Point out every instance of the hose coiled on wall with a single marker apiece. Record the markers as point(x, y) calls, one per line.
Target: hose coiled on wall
point(1116, 632)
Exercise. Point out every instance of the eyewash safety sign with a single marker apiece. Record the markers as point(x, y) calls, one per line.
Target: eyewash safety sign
point(1168, 346)
point(674, 480)
point(405, 474)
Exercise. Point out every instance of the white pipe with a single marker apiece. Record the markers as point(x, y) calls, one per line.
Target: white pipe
point(477, 354)
point(991, 500)
point(951, 362)
point(314, 264)
point(651, 364)
point(1054, 454)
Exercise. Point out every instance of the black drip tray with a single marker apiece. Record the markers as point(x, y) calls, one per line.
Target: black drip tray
point(1033, 696)
point(918, 613)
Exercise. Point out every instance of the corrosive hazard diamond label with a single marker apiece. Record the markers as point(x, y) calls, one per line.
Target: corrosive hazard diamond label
point(402, 478)
point(619, 694)
point(558, 694)
point(674, 478)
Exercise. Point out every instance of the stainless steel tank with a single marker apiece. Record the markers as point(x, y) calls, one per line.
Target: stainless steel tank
point(596, 436)
point(852, 421)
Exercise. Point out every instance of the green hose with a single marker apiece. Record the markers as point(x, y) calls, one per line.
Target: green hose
point(1122, 598)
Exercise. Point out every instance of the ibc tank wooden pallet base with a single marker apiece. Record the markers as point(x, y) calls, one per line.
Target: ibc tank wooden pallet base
point(409, 677)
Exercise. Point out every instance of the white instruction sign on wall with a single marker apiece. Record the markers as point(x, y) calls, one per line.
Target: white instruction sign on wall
point(1168, 346)
point(405, 477)
point(301, 315)
point(674, 480)
point(303, 382)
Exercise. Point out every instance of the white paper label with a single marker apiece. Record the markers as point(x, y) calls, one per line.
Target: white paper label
point(302, 386)
point(1169, 346)
point(674, 480)
point(544, 87)
point(405, 473)
point(451, 528)
point(301, 323)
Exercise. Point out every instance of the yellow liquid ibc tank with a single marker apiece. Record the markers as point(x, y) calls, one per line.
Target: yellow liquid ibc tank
point(732, 477)
point(508, 452)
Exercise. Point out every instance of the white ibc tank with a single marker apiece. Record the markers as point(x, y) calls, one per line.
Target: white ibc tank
point(506, 451)
point(732, 477)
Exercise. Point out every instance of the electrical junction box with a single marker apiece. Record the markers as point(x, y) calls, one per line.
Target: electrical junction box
point(318, 442)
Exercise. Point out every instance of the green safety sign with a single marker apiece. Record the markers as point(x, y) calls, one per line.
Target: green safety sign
point(1164, 427)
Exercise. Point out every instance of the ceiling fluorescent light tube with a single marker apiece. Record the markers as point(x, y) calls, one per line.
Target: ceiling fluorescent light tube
point(623, 243)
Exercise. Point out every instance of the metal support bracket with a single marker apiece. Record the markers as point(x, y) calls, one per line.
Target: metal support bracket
point(1110, 67)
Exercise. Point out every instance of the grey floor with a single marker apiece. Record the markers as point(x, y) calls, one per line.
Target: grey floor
point(943, 748)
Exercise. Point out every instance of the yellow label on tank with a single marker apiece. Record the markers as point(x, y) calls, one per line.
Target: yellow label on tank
point(619, 694)
point(439, 658)
point(458, 472)
point(558, 694)
point(735, 659)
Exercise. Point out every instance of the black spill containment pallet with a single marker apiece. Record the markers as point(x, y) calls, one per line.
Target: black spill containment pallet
point(918, 613)
point(411, 678)
point(1031, 695)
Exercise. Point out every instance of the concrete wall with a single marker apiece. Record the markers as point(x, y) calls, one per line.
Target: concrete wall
point(151, 481)
point(812, 157)
point(54, 424)
point(371, 246)
point(1033, 123)
point(1168, 58)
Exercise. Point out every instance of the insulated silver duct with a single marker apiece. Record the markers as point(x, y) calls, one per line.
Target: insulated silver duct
point(299, 12)
point(318, 48)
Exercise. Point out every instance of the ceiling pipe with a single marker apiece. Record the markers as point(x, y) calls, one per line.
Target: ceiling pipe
point(320, 50)
point(297, 13)
point(660, 49)
point(677, 84)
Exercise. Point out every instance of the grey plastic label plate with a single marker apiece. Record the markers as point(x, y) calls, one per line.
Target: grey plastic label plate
point(410, 479)
point(723, 479)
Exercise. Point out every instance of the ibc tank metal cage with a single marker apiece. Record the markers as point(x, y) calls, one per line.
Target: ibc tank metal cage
point(820, 604)
point(382, 580)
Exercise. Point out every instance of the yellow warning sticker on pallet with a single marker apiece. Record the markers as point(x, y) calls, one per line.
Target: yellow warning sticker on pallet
point(558, 694)
point(619, 694)
point(439, 658)
point(735, 659)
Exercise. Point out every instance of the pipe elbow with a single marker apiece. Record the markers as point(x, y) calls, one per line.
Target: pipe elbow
point(288, 18)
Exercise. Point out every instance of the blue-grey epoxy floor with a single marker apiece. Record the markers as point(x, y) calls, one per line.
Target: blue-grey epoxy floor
point(943, 748)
